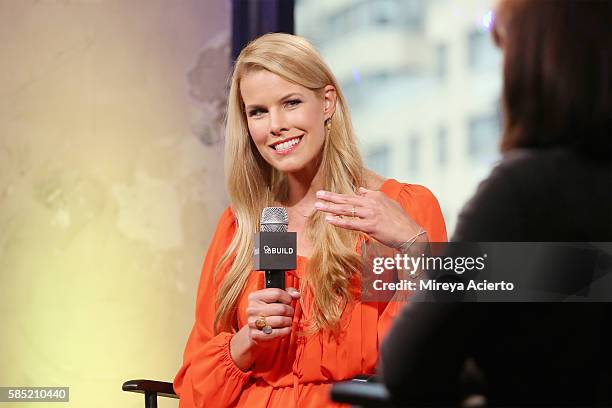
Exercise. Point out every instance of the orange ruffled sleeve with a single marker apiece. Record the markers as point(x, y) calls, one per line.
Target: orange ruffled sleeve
point(423, 207)
point(208, 371)
point(420, 203)
point(209, 376)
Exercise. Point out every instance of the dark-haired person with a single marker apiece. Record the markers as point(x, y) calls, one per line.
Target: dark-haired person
point(553, 184)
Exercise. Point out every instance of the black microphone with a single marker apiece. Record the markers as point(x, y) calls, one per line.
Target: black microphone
point(274, 249)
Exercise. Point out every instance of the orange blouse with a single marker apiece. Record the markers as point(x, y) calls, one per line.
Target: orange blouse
point(300, 371)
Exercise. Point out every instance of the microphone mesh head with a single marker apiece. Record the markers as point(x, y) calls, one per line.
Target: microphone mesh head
point(274, 219)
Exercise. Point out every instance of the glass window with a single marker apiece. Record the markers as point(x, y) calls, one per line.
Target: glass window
point(442, 60)
point(442, 146)
point(483, 138)
point(377, 159)
point(482, 54)
point(383, 12)
point(432, 72)
point(413, 14)
point(414, 154)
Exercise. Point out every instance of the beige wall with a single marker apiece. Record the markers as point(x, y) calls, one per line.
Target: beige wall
point(110, 186)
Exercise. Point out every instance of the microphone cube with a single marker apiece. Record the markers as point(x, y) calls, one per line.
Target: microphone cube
point(275, 251)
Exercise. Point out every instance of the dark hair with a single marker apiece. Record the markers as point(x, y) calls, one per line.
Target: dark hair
point(556, 89)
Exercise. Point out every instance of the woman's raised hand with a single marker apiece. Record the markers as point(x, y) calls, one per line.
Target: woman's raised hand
point(371, 212)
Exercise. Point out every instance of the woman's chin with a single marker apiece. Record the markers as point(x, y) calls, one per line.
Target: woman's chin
point(290, 166)
point(294, 163)
point(289, 169)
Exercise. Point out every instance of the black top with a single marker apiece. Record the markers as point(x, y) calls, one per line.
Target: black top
point(541, 195)
point(530, 354)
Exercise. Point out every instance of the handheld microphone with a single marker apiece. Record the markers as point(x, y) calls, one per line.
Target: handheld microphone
point(274, 249)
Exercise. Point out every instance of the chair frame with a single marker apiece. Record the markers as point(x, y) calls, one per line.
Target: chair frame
point(151, 389)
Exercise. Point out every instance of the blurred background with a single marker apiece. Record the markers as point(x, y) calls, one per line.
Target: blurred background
point(110, 187)
point(111, 178)
point(423, 82)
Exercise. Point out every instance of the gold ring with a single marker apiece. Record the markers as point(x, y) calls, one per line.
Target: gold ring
point(261, 323)
point(353, 212)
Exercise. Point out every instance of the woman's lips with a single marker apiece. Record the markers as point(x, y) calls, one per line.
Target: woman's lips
point(287, 146)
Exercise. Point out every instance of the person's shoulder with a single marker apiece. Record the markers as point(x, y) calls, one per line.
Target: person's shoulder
point(514, 168)
point(223, 234)
point(227, 216)
point(419, 192)
point(226, 225)
point(396, 189)
point(423, 206)
point(373, 181)
point(524, 155)
point(415, 193)
point(527, 169)
point(414, 198)
point(536, 162)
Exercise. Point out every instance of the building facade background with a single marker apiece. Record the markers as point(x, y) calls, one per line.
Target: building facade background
point(422, 78)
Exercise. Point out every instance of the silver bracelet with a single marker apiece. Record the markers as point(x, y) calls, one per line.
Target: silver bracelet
point(404, 247)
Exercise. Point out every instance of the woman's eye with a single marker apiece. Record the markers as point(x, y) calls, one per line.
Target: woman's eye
point(255, 113)
point(293, 102)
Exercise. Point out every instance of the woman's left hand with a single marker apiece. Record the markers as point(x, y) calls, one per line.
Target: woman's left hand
point(371, 212)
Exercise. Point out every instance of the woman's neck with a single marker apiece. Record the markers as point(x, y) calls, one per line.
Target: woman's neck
point(302, 187)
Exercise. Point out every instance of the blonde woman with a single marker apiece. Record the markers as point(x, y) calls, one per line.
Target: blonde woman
point(290, 143)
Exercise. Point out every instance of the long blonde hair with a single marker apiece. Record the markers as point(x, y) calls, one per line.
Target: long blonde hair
point(253, 184)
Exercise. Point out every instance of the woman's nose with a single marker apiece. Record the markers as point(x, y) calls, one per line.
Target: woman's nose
point(278, 123)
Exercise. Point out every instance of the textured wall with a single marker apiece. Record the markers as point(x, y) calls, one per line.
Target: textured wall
point(110, 186)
